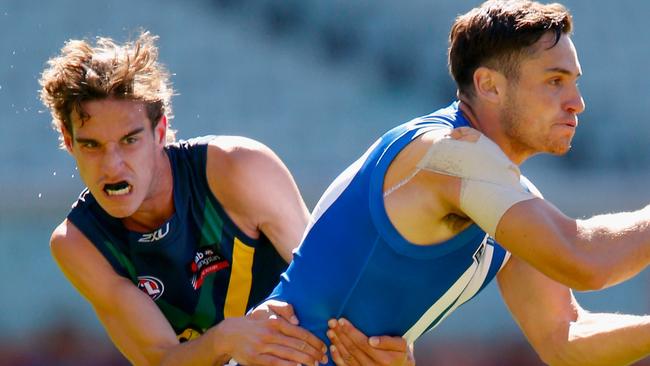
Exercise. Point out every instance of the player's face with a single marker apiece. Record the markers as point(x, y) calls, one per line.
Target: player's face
point(541, 110)
point(117, 153)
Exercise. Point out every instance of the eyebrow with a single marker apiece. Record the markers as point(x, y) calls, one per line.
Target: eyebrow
point(133, 132)
point(564, 71)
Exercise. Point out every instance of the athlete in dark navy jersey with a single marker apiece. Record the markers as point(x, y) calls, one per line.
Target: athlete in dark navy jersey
point(422, 221)
point(172, 243)
point(198, 266)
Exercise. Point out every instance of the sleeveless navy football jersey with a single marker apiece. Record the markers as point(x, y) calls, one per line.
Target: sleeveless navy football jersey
point(353, 263)
point(198, 267)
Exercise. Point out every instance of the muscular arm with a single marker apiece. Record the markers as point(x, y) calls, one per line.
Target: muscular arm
point(561, 331)
point(141, 332)
point(583, 254)
point(258, 191)
point(132, 320)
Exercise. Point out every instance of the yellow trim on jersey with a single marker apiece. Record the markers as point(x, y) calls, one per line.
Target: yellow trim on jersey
point(188, 334)
point(241, 280)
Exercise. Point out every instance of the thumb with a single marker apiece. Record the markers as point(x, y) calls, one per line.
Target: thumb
point(388, 343)
point(285, 311)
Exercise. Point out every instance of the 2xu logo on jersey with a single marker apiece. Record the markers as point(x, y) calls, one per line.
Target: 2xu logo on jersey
point(154, 235)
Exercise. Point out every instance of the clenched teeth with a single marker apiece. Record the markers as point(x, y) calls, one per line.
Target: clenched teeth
point(118, 192)
point(117, 189)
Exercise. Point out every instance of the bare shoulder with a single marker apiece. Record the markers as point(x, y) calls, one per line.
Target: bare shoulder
point(237, 155)
point(244, 175)
point(83, 264)
point(233, 144)
point(65, 241)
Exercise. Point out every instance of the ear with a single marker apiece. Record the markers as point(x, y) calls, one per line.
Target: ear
point(490, 85)
point(67, 139)
point(161, 130)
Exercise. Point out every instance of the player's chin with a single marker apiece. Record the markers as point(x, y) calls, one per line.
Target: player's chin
point(120, 213)
point(119, 210)
point(559, 149)
point(560, 145)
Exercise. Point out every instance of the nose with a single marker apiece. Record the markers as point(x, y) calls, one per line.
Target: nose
point(575, 103)
point(112, 160)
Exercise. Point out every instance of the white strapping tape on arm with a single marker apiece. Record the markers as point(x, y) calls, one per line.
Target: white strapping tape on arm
point(490, 181)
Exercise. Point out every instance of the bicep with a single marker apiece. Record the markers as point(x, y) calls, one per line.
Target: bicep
point(260, 189)
point(132, 320)
point(542, 308)
point(540, 234)
point(286, 214)
point(493, 194)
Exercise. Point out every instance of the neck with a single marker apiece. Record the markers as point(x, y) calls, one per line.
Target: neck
point(488, 122)
point(468, 112)
point(158, 206)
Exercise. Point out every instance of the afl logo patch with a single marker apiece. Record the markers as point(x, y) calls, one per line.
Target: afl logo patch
point(151, 286)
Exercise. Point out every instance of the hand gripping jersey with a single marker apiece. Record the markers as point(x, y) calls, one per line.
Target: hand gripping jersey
point(353, 263)
point(198, 267)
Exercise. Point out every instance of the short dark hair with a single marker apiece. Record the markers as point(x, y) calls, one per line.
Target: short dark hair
point(498, 34)
point(85, 72)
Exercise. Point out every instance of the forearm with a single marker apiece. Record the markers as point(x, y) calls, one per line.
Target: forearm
point(149, 340)
point(603, 339)
point(620, 242)
point(208, 349)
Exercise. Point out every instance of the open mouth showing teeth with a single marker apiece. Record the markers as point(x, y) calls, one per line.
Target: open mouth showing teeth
point(117, 189)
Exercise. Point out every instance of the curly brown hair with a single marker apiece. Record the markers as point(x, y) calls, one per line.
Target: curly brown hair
point(498, 34)
point(83, 72)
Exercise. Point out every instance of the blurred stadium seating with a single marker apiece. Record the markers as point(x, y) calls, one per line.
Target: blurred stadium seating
point(317, 81)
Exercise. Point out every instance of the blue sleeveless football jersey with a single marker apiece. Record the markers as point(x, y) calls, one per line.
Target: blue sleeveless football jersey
point(198, 267)
point(353, 263)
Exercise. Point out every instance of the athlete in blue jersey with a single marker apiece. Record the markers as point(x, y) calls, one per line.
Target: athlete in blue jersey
point(352, 217)
point(437, 207)
point(172, 240)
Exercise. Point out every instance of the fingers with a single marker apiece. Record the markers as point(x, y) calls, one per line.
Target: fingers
point(394, 349)
point(285, 338)
point(274, 338)
point(291, 354)
point(299, 339)
point(284, 310)
point(261, 312)
point(350, 345)
point(347, 332)
point(295, 346)
point(267, 359)
point(341, 356)
point(465, 134)
point(387, 343)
